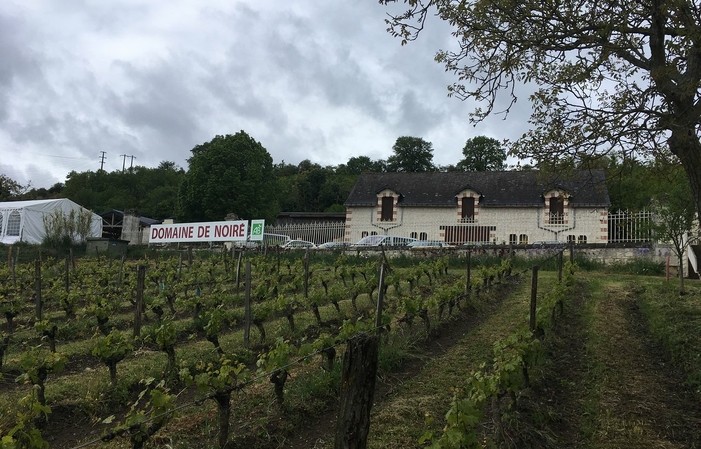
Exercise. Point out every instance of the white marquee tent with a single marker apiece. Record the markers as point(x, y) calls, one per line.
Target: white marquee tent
point(24, 220)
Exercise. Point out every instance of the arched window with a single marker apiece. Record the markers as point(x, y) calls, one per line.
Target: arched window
point(13, 224)
point(423, 236)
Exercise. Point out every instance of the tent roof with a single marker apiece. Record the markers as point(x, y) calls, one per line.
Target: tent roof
point(32, 203)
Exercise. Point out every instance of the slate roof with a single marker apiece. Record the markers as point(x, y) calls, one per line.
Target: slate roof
point(498, 189)
point(119, 216)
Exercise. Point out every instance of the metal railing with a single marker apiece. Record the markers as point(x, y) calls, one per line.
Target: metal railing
point(623, 227)
point(319, 232)
point(626, 226)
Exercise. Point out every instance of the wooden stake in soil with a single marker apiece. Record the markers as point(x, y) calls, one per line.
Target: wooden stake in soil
point(67, 277)
point(37, 287)
point(357, 392)
point(559, 267)
point(534, 295)
point(247, 309)
point(238, 271)
point(306, 273)
point(141, 276)
point(380, 298)
point(467, 274)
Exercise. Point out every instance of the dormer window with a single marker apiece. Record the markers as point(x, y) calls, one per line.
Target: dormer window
point(387, 202)
point(468, 210)
point(468, 205)
point(387, 208)
point(556, 207)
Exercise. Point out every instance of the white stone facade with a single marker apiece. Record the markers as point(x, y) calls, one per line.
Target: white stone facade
point(501, 225)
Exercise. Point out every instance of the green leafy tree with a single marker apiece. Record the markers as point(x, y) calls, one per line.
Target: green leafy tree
point(232, 173)
point(358, 164)
point(9, 188)
point(482, 154)
point(152, 192)
point(675, 220)
point(608, 77)
point(411, 154)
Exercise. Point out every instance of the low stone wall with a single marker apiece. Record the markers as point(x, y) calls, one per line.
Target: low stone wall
point(602, 253)
point(622, 254)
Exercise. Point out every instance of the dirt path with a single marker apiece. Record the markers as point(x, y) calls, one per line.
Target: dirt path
point(613, 387)
point(403, 397)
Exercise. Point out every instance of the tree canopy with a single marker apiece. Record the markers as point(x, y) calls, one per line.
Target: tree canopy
point(610, 76)
point(9, 188)
point(482, 154)
point(411, 154)
point(152, 192)
point(229, 174)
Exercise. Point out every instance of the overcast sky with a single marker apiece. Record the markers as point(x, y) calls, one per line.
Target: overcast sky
point(317, 80)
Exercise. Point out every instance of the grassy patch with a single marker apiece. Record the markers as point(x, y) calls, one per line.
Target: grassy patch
point(675, 321)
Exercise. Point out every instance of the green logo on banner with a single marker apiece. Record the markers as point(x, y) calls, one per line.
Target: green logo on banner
point(257, 229)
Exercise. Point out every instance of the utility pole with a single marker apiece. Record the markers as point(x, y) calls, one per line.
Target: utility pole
point(124, 161)
point(102, 159)
point(132, 162)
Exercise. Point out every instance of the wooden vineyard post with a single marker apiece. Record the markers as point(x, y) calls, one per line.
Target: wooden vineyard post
point(534, 295)
point(13, 262)
point(306, 273)
point(238, 271)
point(572, 252)
point(560, 258)
point(380, 298)
point(357, 392)
point(277, 253)
point(180, 263)
point(67, 278)
point(247, 308)
point(141, 276)
point(121, 270)
point(37, 287)
point(468, 274)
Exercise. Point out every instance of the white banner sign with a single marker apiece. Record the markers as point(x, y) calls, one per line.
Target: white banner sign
point(213, 231)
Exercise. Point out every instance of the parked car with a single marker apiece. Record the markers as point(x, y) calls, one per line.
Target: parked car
point(383, 240)
point(298, 244)
point(333, 245)
point(423, 244)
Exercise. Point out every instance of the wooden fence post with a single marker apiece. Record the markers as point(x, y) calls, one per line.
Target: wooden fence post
point(468, 272)
point(357, 392)
point(238, 271)
point(560, 259)
point(247, 308)
point(534, 295)
point(380, 298)
point(140, 278)
point(572, 252)
point(67, 278)
point(37, 287)
point(305, 262)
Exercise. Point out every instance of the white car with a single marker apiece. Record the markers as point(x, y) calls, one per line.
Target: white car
point(333, 245)
point(383, 240)
point(298, 244)
point(422, 244)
